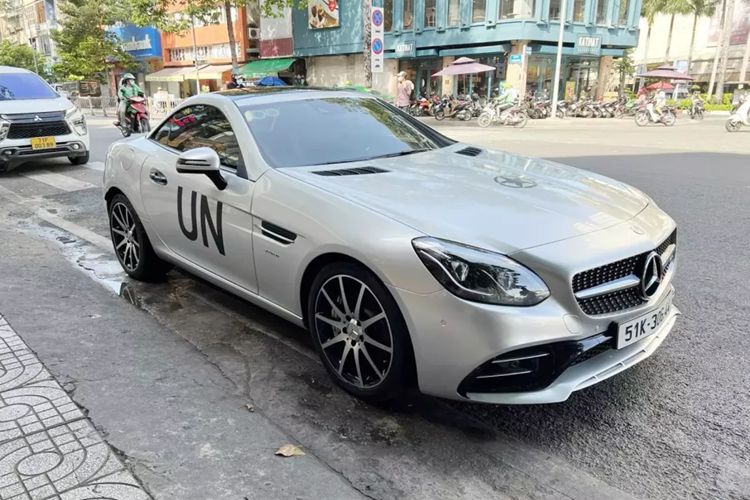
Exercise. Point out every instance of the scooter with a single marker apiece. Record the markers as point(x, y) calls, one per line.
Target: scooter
point(515, 116)
point(136, 120)
point(740, 117)
point(647, 115)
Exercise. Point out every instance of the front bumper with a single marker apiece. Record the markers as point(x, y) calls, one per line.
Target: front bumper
point(14, 153)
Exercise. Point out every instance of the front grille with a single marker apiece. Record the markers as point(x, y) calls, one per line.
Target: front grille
point(31, 130)
point(623, 299)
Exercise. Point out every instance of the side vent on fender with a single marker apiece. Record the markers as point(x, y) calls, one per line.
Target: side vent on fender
point(350, 171)
point(469, 151)
point(277, 233)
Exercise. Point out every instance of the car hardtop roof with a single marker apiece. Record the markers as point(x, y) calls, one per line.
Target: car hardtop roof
point(13, 69)
point(249, 93)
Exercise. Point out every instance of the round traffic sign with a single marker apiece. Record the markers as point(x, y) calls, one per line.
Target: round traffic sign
point(377, 18)
point(377, 46)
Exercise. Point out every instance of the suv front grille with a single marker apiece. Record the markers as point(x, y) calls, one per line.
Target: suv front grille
point(621, 299)
point(31, 130)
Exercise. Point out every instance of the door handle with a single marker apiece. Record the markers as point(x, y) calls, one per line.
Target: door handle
point(157, 177)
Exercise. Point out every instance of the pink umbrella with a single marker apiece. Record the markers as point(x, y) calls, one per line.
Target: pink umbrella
point(664, 86)
point(464, 66)
point(665, 72)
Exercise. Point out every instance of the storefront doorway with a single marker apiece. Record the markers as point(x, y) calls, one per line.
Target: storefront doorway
point(579, 76)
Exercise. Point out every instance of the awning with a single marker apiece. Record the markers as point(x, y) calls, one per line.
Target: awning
point(173, 74)
point(266, 67)
point(210, 72)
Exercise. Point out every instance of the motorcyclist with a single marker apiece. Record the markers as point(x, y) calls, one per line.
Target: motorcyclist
point(238, 81)
point(697, 100)
point(508, 98)
point(128, 89)
point(660, 100)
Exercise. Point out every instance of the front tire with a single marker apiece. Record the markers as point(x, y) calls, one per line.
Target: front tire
point(359, 332)
point(733, 125)
point(619, 113)
point(520, 120)
point(131, 243)
point(484, 120)
point(642, 118)
point(439, 115)
point(80, 160)
point(145, 126)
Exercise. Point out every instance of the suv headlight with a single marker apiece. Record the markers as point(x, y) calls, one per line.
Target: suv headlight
point(76, 118)
point(4, 128)
point(479, 275)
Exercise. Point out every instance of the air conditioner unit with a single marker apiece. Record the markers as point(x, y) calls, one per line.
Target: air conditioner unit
point(253, 33)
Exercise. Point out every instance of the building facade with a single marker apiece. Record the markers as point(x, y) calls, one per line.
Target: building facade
point(28, 22)
point(145, 45)
point(211, 52)
point(705, 45)
point(517, 37)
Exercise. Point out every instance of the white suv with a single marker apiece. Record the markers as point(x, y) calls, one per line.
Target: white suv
point(36, 122)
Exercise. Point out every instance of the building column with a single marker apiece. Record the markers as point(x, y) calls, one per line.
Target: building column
point(515, 74)
point(604, 75)
point(447, 85)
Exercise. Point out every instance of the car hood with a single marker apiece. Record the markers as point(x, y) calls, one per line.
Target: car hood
point(495, 200)
point(26, 106)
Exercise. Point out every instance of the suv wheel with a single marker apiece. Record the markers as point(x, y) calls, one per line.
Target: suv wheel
point(80, 160)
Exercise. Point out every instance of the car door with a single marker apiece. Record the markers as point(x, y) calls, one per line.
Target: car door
point(209, 227)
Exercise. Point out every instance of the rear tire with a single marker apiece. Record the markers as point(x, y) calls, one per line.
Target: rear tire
point(698, 115)
point(669, 118)
point(619, 113)
point(80, 160)
point(131, 243)
point(520, 120)
point(560, 113)
point(145, 126)
point(355, 322)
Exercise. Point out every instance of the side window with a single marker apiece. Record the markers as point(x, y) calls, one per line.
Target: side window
point(201, 126)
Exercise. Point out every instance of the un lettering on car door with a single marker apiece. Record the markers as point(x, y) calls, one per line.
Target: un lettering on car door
point(208, 223)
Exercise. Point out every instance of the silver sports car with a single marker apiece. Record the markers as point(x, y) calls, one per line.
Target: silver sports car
point(412, 259)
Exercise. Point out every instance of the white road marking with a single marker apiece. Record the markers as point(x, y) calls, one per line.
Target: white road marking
point(95, 165)
point(80, 231)
point(57, 180)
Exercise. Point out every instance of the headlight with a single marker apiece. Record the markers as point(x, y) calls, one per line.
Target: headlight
point(77, 119)
point(479, 275)
point(4, 128)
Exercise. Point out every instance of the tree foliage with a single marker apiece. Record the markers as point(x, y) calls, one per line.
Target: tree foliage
point(19, 56)
point(85, 48)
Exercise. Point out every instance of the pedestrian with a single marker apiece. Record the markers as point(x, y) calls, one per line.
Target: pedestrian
point(404, 88)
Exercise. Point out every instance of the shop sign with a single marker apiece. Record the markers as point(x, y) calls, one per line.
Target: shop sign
point(377, 46)
point(516, 58)
point(133, 44)
point(406, 49)
point(588, 45)
point(681, 65)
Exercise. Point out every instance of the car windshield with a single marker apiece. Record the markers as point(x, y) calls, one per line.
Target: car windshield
point(21, 86)
point(333, 130)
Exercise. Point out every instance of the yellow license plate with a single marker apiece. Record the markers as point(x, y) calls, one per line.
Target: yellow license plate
point(43, 143)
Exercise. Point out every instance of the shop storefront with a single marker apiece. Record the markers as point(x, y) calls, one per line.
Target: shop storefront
point(145, 45)
point(579, 76)
point(420, 72)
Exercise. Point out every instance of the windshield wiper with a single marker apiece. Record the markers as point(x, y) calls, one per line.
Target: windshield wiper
point(400, 153)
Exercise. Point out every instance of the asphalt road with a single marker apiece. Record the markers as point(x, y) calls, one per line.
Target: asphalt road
point(675, 426)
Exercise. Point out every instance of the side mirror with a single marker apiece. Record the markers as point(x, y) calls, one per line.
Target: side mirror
point(202, 161)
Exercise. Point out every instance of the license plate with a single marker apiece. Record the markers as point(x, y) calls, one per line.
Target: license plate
point(638, 329)
point(43, 143)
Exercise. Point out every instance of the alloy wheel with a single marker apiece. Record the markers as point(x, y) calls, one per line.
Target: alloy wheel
point(353, 331)
point(125, 236)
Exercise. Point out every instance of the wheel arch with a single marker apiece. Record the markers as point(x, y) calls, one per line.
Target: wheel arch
point(322, 260)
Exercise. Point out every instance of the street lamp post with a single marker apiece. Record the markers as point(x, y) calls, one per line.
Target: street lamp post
point(558, 64)
point(195, 58)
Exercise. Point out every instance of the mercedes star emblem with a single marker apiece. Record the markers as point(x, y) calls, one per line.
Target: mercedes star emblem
point(636, 229)
point(651, 275)
point(515, 181)
point(37, 118)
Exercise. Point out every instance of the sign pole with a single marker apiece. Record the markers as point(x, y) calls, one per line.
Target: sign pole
point(558, 63)
point(195, 59)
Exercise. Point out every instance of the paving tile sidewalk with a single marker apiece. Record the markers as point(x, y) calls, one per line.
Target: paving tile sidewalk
point(48, 448)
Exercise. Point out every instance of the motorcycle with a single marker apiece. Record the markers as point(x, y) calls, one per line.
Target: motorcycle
point(420, 107)
point(137, 120)
point(515, 115)
point(697, 109)
point(643, 117)
point(740, 117)
point(453, 108)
